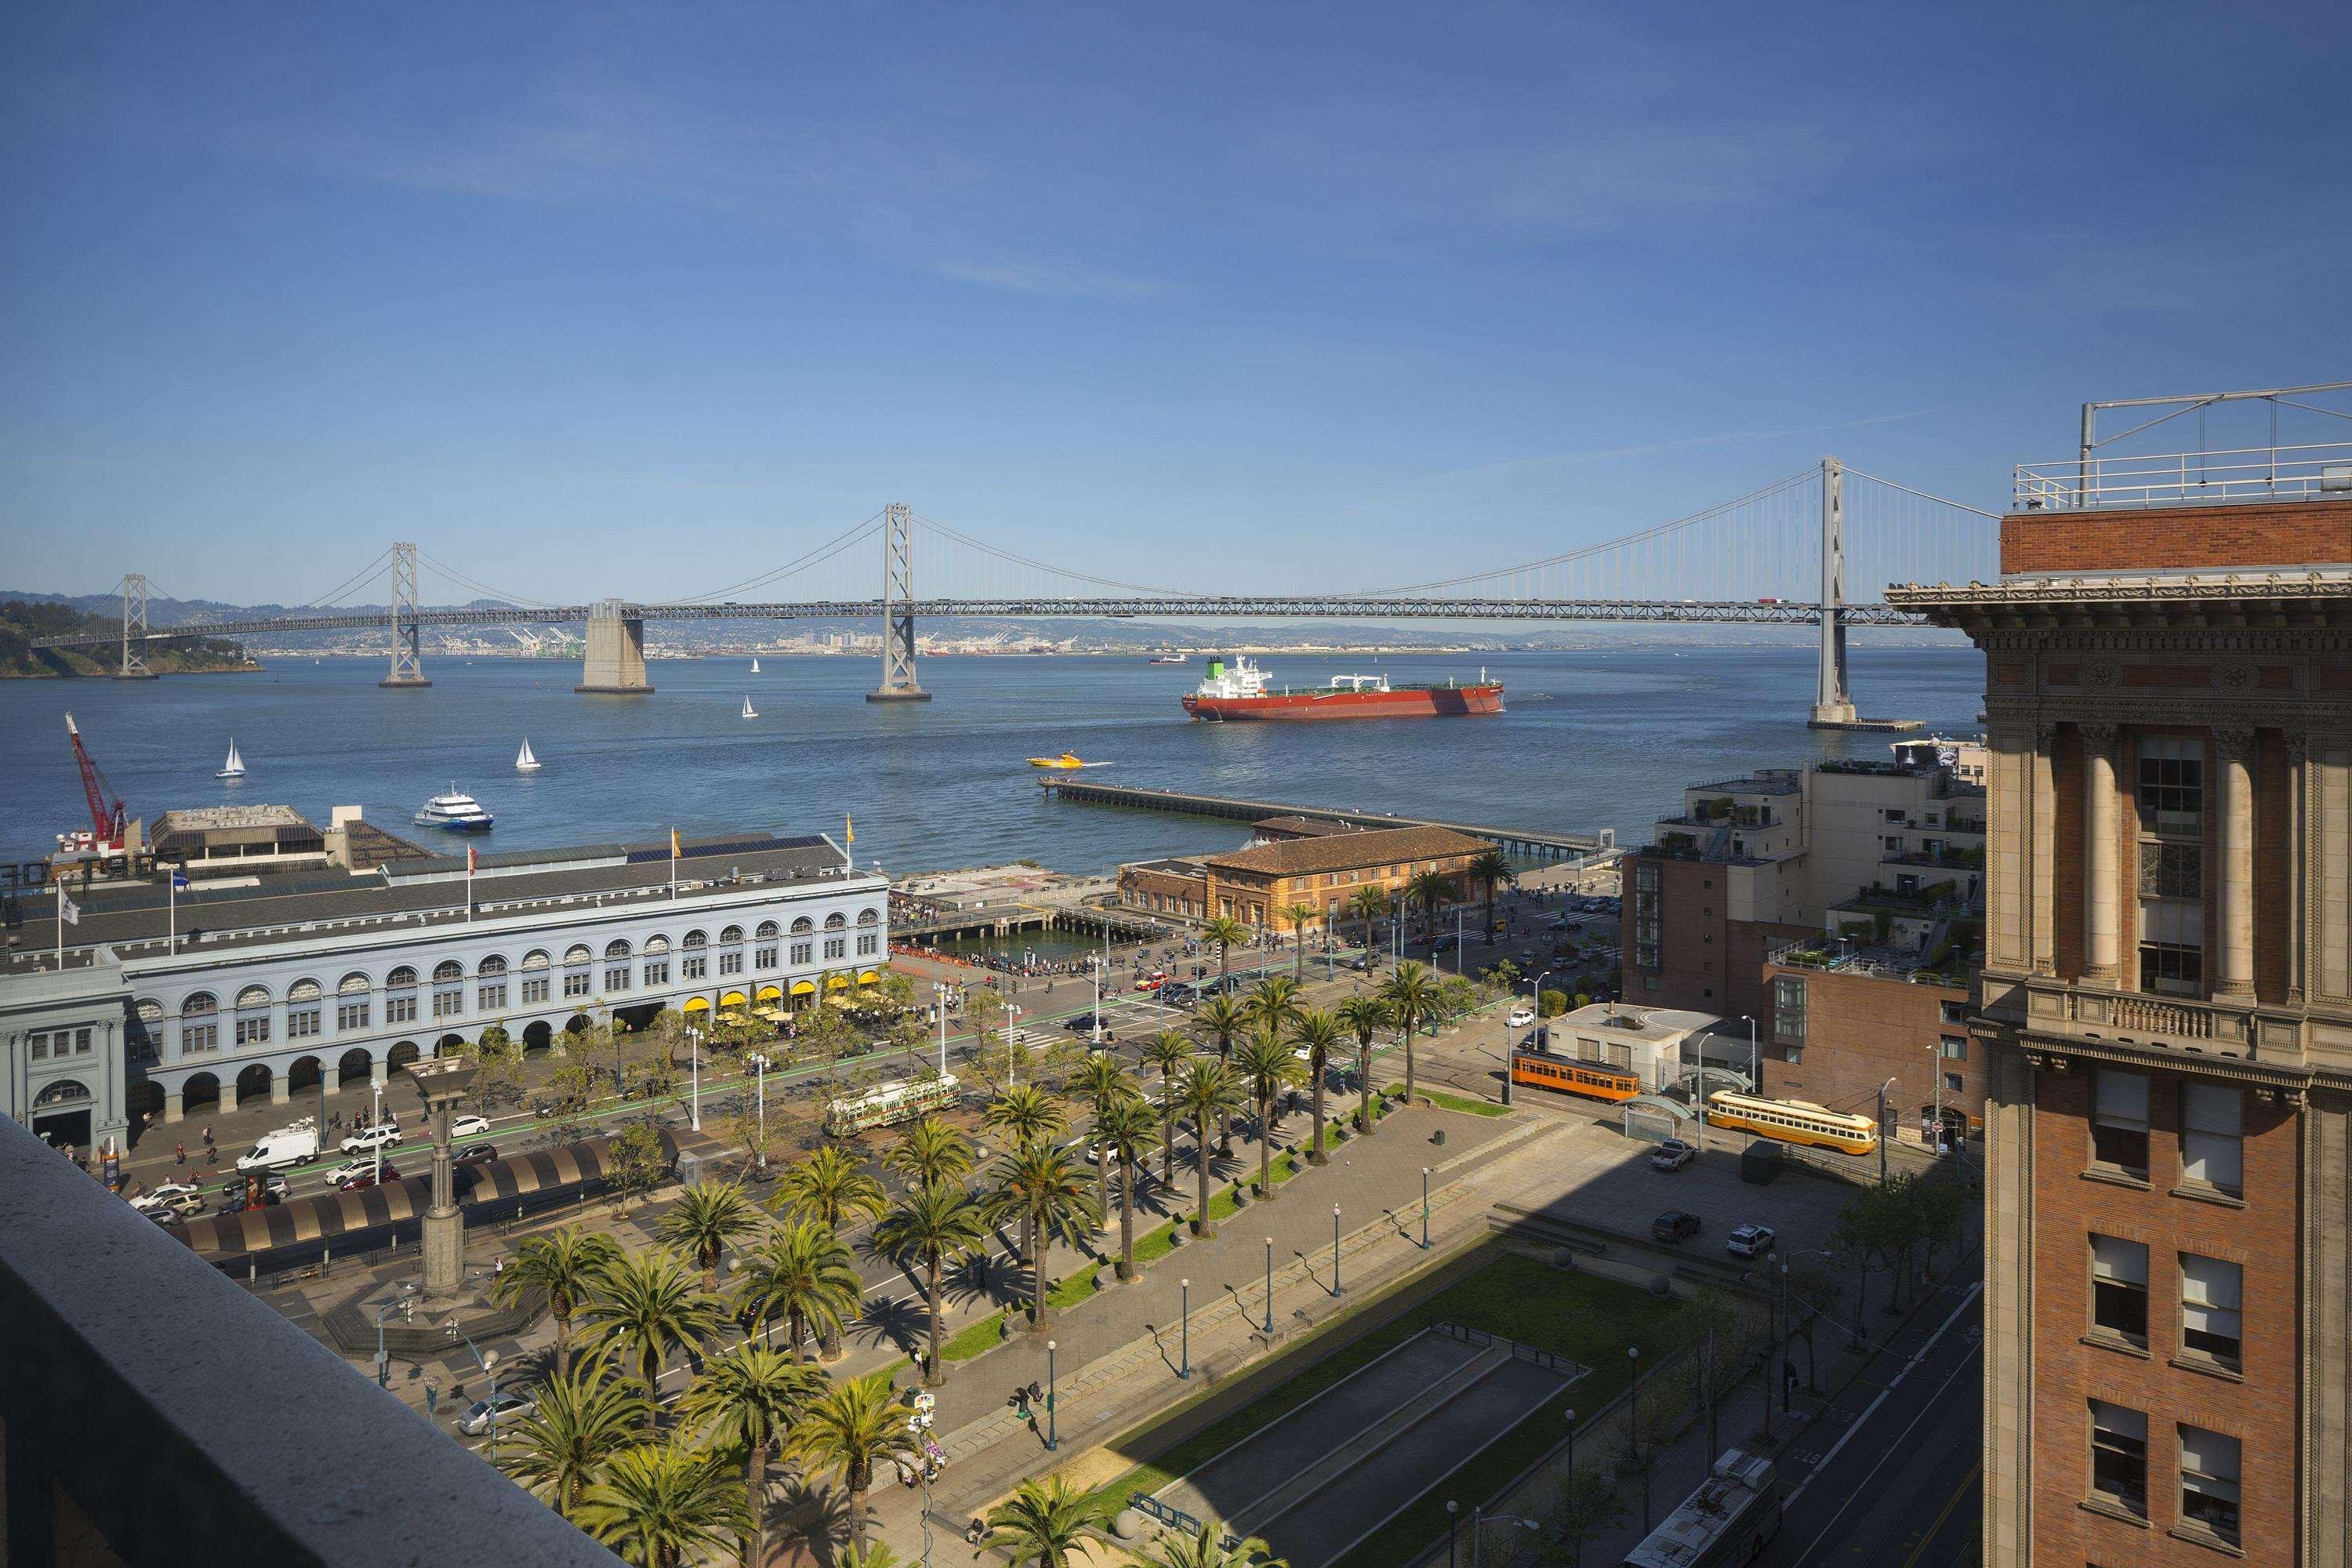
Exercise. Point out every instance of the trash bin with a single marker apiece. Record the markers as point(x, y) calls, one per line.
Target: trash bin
point(1438, 1136)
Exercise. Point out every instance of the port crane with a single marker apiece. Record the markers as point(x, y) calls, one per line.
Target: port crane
point(106, 815)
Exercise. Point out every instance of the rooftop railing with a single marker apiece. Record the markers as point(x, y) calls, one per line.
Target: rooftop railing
point(2322, 471)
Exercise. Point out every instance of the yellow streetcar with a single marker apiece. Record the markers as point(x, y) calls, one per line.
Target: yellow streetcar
point(1793, 1121)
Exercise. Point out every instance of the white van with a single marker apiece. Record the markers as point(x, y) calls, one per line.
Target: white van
point(286, 1146)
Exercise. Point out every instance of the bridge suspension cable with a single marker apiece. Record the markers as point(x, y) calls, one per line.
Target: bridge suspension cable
point(453, 575)
point(828, 550)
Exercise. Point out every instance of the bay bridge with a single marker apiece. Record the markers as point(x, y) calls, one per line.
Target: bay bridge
point(1780, 556)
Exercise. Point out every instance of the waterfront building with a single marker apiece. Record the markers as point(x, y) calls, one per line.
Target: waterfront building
point(2166, 1011)
point(237, 841)
point(325, 982)
point(1256, 885)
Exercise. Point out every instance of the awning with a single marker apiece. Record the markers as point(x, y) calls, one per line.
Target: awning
point(803, 987)
point(769, 994)
point(836, 982)
point(869, 978)
point(732, 999)
point(696, 1005)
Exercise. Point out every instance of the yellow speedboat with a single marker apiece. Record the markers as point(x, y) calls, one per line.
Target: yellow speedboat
point(1066, 760)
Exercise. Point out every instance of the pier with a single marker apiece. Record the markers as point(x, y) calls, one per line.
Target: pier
point(1526, 844)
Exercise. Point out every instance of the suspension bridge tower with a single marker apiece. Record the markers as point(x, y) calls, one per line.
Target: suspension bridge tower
point(133, 588)
point(898, 682)
point(407, 657)
point(1833, 703)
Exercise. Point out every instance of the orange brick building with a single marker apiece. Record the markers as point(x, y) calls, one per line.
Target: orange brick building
point(1256, 885)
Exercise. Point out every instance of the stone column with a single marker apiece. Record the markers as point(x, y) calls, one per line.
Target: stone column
point(2102, 925)
point(2298, 871)
point(2327, 1478)
point(378, 1073)
point(2233, 812)
point(2009, 1321)
point(442, 1083)
point(282, 1087)
point(172, 1105)
point(2041, 851)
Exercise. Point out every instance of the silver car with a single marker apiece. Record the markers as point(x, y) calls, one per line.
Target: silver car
point(510, 1405)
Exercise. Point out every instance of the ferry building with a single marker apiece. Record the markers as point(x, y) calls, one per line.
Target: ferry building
point(325, 981)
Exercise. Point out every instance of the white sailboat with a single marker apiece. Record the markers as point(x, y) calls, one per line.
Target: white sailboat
point(755, 664)
point(524, 761)
point(235, 767)
point(749, 711)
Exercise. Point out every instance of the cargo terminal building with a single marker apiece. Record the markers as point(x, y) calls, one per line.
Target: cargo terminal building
point(318, 982)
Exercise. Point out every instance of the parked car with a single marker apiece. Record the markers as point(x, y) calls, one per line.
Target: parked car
point(508, 1405)
point(379, 1137)
point(475, 1154)
point(273, 1184)
point(1673, 1225)
point(370, 1176)
point(469, 1127)
point(1672, 1155)
point(186, 1204)
point(1750, 1241)
point(1520, 1017)
point(157, 1196)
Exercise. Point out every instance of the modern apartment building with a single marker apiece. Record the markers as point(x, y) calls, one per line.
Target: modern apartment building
point(2167, 1012)
point(319, 983)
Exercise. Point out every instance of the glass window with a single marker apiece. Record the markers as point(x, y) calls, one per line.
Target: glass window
point(803, 953)
point(1954, 1048)
point(534, 992)
point(2172, 785)
point(1953, 1012)
point(1953, 1084)
point(2209, 1308)
point(2119, 1287)
point(2119, 1456)
point(868, 945)
point(2212, 1140)
point(836, 947)
point(490, 995)
point(2119, 1124)
point(2172, 870)
point(656, 971)
point(352, 1015)
point(1788, 1007)
point(2209, 1481)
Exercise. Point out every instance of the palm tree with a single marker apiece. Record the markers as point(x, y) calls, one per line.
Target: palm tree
point(1038, 1183)
point(708, 1221)
point(1224, 1016)
point(1127, 1128)
point(1490, 870)
point(1168, 1050)
point(931, 1154)
point(1317, 1033)
point(1273, 1001)
point(1264, 1064)
point(1429, 890)
point(583, 1416)
point(1363, 1017)
point(930, 1225)
point(1369, 904)
point(1208, 1091)
point(658, 1503)
point(877, 1555)
point(854, 1426)
point(1295, 917)
point(1412, 995)
point(748, 1399)
point(828, 1188)
point(1043, 1521)
point(562, 1266)
point(806, 1273)
point(1207, 1548)
point(1224, 930)
point(1025, 1113)
point(1102, 1082)
point(645, 1306)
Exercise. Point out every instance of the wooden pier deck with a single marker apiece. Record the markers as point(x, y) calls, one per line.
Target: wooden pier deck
point(1528, 843)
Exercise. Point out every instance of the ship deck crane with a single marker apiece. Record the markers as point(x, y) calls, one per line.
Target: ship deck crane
point(106, 815)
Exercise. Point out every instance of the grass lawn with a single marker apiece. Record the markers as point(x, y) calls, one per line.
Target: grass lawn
point(1582, 1316)
point(1469, 1107)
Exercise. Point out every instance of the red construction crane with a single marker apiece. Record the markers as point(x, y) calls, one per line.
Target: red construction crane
point(106, 820)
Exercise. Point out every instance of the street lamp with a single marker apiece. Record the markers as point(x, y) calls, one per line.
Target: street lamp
point(1335, 1249)
point(489, 1363)
point(1269, 1285)
point(1053, 1430)
point(1424, 1208)
point(1185, 1367)
point(1571, 1445)
point(1755, 1066)
point(693, 1070)
point(1634, 1354)
point(759, 1065)
point(375, 1124)
point(1450, 1507)
point(939, 997)
point(1881, 1129)
point(382, 1362)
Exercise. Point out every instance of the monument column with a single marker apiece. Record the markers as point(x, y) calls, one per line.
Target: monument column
point(2101, 926)
point(2234, 886)
point(442, 1082)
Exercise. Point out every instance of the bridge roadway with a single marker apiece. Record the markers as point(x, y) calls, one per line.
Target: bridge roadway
point(1701, 612)
point(1526, 843)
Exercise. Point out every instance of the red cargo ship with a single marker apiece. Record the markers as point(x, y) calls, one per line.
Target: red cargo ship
point(1239, 691)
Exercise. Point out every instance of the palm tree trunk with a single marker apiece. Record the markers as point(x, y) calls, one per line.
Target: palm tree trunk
point(1412, 1024)
point(755, 1486)
point(1102, 1189)
point(1316, 1156)
point(1126, 1219)
point(1364, 1088)
point(1265, 1146)
point(857, 1486)
point(1200, 1165)
point(652, 1365)
point(1225, 1122)
point(932, 1299)
point(1168, 1135)
point(793, 1321)
point(1298, 956)
point(1040, 1243)
point(564, 1344)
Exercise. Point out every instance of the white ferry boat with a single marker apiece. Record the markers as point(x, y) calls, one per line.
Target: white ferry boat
point(458, 811)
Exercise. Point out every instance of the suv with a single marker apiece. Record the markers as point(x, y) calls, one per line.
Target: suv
point(1673, 1225)
point(1672, 1155)
point(380, 1136)
point(1749, 1241)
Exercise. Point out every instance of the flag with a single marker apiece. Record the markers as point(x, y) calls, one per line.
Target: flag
point(179, 880)
point(848, 829)
point(469, 860)
point(68, 910)
point(674, 850)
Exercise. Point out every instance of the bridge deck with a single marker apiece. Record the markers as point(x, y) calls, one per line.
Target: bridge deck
point(1524, 840)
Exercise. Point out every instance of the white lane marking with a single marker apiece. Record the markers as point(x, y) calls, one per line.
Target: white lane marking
point(1863, 1419)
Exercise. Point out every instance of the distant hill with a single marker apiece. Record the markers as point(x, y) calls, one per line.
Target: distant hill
point(23, 622)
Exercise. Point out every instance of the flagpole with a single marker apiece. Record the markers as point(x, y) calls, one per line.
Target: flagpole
point(172, 910)
point(61, 924)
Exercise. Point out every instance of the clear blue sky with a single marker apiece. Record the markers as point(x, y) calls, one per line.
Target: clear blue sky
point(640, 301)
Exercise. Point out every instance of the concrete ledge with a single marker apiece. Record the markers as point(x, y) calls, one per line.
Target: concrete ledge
point(418, 684)
point(615, 690)
point(915, 696)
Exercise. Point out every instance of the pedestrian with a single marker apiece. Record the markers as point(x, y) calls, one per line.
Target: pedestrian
point(179, 1153)
point(212, 1156)
point(208, 1135)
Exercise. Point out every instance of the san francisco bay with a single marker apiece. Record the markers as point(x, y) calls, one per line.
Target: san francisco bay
point(1594, 738)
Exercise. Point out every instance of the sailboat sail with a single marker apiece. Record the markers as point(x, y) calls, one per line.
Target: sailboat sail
point(235, 767)
point(755, 664)
point(749, 711)
point(524, 760)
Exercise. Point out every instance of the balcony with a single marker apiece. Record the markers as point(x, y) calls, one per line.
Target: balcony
point(159, 1414)
point(2105, 1019)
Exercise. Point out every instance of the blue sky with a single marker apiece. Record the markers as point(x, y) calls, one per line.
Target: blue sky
point(1303, 297)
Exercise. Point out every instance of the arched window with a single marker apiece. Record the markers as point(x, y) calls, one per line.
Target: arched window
point(448, 989)
point(199, 1024)
point(804, 950)
point(869, 917)
point(535, 959)
point(353, 985)
point(534, 978)
point(575, 972)
point(694, 960)
point(837, 921)
point(64, 1091)
point(613, 950)
point(656, 968)
point(399, 995)
point(617, 966)
point(142, 1039)
point(353, 1007)
point(656, 945)
point(870, 935)
point(253, 996)
point(302, 990)
point(494, 964)
point(767, 931)
point(836, 946)
point(253, 1016)
point(803, 926)
point(302, 1009)
point(730, 951)
point(490, 985)
point(764, 952)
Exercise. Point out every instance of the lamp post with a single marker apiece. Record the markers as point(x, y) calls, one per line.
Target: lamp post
point(374, 1122)
point(1184, 1334)
point(939, 1006)
point(1882, 1130)
point(1755, 1066)
point(382, 1362)
point(489, 1363)
point(1053, 1429)
point(1571, 1446)
point(1335, 1249)
point(1634, 1354)
point(693, 1070)
point(1450, 1507)
point(1424, 1208)
point(760, 1065)
point(1269, 1285)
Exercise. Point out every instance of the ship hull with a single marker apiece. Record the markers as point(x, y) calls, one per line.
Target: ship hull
point(1412, 703)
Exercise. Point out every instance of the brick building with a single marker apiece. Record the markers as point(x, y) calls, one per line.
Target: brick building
point(1325, 872)
point(2167, 1015)
point(1839, 1027)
